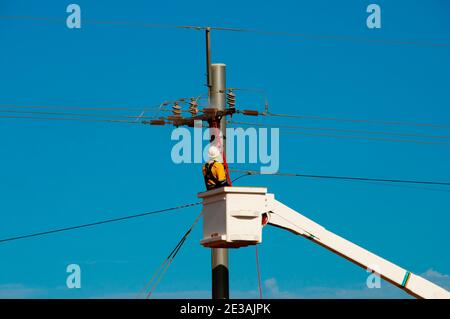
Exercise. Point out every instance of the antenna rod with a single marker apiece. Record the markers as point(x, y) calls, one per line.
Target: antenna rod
point(208, 60)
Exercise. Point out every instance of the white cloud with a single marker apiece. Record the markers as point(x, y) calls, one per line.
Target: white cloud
point(386, 291)
point(118, 295)
point(438, 278)
point(431, 273)
point(355, 291)
point(272, 286)
point(183, 294)
point(273, 290)
point(18, 291)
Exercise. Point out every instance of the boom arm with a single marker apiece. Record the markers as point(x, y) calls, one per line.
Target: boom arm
point(280, 215)
point(232, 219)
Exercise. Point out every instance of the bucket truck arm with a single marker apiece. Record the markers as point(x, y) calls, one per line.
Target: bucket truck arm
point(232, 219)
point(280, 215)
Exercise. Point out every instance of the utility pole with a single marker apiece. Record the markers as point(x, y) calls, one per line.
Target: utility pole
point(215, 114)
point(220, 276)
point(216, 82)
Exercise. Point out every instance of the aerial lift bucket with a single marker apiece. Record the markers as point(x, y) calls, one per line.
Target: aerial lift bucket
point(233, 216)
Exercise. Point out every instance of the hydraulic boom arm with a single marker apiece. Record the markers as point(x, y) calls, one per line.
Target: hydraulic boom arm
point(282, 216)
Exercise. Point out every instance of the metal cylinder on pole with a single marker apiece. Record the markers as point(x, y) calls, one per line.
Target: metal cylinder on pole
point(219, 256)
point(218, 95)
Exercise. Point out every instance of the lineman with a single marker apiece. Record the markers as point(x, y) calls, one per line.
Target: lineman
point(214, 171)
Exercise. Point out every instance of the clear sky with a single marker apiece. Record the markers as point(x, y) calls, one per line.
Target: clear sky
point(56, 174)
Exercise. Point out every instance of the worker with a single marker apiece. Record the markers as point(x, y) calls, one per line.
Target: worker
point(214, 171)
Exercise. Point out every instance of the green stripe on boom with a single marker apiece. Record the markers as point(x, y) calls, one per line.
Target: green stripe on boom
point(405, 279)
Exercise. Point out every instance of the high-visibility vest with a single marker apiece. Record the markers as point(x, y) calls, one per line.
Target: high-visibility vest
point(214, 175)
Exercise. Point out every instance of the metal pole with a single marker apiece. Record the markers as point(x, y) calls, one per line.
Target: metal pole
point(219, 260)
point(220, 276)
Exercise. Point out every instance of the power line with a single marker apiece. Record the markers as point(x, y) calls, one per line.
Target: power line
point(251, 172)
point(288, 34)
point(381, 183)
point(408, 186)
point(337, 119)
point(258, 272)
point(72, 108)
point(355, 137)
point(67, 119)
point(79, 114)
point(160, 120)
point(112, 220)
point(239, 177)
point(99, 22)
point(340, 130)
point(160, 272)
point(155, 108)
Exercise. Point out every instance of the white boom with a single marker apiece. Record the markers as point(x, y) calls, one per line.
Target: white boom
point(282, 216)
point(232, 219)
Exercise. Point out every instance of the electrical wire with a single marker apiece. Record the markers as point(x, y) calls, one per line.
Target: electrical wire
point(258, 271)
point(408, 186)
point(72, 108)
point(289, 34)
point(339, 130)
point(160, 272)
point(155, 108)
point(355, 137)
point(78, 114)
point(112, 220)
point(172, 253)
point(251, 172)
point(99, 22)
point(67, 119)
point(239, 177)
point(260, 92)
point(337, 119)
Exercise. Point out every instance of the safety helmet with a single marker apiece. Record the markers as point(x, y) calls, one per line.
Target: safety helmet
point(214, 154)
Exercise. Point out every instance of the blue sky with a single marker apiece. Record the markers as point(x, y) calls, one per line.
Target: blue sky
point(55, 174)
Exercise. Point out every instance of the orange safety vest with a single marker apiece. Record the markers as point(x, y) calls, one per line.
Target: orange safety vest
point(214, 174)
